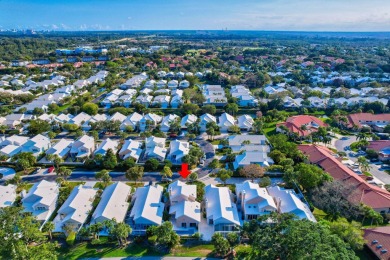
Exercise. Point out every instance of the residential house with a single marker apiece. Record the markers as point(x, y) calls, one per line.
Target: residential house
point(363, 192)
point(225, 122)
point(106, 145)
point(155, 148)
point(205, 119)
point(244, 96)
point(12, 145)
point(184, 209)
point(176, 101)
point(253, 201)
point(302, 125)
point(382, 147)
point(76, 209)
point(87, 125)
point(161, 83)
point(82, 147)
point(287, 201)
point(131, 149)
point(144, 100)
point(80, 119)
point(214, 95)
point(161, 101)
point(117, 117)
point(61, 148)
point(167, 121)
point(150, 120)
point(41, 200)
point(172, 84)
point(7, 195)
point(184, 84)
point(245, 122)
point(188, 120)
point(113, 203)
point(221, 212)
point(36, 145)
point(377, 121)
point(132, 120)
point(177, 150)
point(147, 209)
point(377, 239)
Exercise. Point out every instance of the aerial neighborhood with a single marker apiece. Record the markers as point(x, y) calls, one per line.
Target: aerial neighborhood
point(163, 144)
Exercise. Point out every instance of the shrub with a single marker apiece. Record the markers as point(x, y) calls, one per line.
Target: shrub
point(70, 240)
point(152, 240)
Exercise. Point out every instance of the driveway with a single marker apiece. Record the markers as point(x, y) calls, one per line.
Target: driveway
point(374, 170)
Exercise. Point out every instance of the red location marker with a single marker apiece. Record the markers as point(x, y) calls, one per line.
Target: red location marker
point(184, 170)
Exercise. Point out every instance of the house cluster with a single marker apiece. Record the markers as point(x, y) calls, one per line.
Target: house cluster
point(382, 147)
point(218, 207)
point(361, 191)
point(12, 145)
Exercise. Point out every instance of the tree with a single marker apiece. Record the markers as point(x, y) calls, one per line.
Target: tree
point(214, 164)
point(224, 175)
point(258, 126)
point(38, 126)
point(135, 173)
point(3, 128)
point(127, 163)
point(64, 172)
point(109, 160)
point(350, 232)
point(209, 109)
point(231, 108)
point(221, 244)
point(57, 160)
point(121, 231)
point(234, 129)
point(20, 237)
point(233, 239)
point(166, 172)
point(193, 176)
point(252, 171)
point(363, 163)
point(310, 176)
point(189, 108)
point(104, 177)
point(48, 227)
point(152, 164)
point(288, 238)
point(24, 160)
point(90, 108)
point(166, 236)
point(265, 182)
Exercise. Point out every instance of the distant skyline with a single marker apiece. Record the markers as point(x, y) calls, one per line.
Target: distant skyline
point(273, 15)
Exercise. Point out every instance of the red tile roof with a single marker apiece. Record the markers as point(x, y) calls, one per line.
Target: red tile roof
point(295, 123)
point(355, 119)
point(365, 193)
point(378, 145)
point(378, 236)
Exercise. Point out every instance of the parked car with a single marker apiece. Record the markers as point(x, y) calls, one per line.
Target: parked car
point(50, 169)
point(347, 148)
point(166, 179)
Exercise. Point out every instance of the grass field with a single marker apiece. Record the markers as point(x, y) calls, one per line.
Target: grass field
point(110, 249)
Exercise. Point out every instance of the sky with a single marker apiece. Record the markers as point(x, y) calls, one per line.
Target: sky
point(279, 15)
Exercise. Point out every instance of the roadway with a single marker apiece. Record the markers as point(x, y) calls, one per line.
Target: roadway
point(381, 175)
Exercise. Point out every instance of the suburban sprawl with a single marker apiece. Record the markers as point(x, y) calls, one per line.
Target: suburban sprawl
point(287, 137)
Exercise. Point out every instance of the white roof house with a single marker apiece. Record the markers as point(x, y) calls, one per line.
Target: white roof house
point(105, 145)
point(245, 122)
point(41, 200)
point(63, 118)
point(36, 145)
point(253, 200)
point(7, 195)
point(188, 119)
point(180, 191)
point(252, 157)
point(75, 210)
point(144, 100)
point(162, 101)
point(131, 148)
point(61, 148)
point(205, 119)
point(287, 201)
point(221, 211)
point(176, 101)
point(155, 148)
point(167, 121)
point(83, 147)
point(226, 121)
point(248, 143)
point(117, 117)
point(177, 150)
point(79, 119)
point(161, 83)
point(153, 118)
point(147, 208)
point(173, 84)
point(113, 203)
point(184, 84)
point(132, 120)
point(16, 140)
point(94, 119)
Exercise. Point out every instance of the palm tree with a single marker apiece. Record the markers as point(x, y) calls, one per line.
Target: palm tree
point(3, 128)
point(363, 163)
point(49, 227)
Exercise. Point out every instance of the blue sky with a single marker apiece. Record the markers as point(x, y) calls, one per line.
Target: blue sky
point(289, 15)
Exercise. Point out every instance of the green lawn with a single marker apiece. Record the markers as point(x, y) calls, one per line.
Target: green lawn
point(62, 108)
point(73, 184)
point(110, 249)
point(232, 187)
point(100, 185)
point(270, 128)
point(319, 214)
